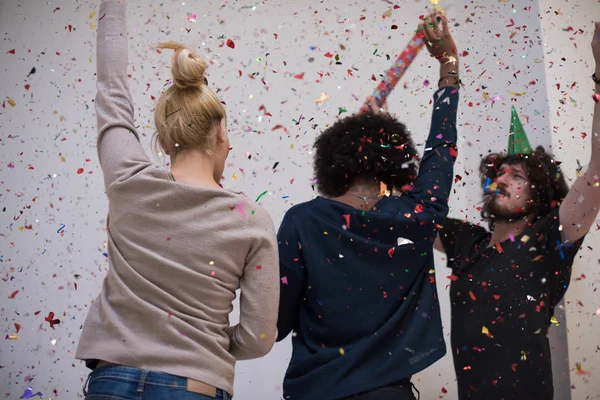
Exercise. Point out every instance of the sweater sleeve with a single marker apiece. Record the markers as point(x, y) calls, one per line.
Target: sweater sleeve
point(119, 150)
point(255, 334)
point(428, 198)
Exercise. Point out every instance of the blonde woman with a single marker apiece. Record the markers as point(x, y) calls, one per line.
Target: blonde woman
point(179, 245)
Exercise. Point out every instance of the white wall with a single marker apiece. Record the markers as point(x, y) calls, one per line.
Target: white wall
point(50, 133)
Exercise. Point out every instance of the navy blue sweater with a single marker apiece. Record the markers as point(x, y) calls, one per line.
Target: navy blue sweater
point(358, 287)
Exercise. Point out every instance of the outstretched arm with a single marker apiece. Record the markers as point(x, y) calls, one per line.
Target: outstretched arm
point(429, 195)
point(120, 152)
point(580, 208)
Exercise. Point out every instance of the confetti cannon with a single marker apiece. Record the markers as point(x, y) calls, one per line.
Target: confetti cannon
point(393, 75)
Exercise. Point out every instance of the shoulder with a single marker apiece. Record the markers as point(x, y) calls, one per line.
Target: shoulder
point(298, 211)
point(458, 226)
point(256, 218)
point(548, 220)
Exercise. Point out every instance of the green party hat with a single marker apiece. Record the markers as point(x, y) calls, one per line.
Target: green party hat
point(517, 139)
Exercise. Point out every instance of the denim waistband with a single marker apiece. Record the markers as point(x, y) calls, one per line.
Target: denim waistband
point(143, 377)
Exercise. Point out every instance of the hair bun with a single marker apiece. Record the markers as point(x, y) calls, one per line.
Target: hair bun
point(188, 68)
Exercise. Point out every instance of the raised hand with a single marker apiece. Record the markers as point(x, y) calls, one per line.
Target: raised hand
point(438, 39)
point(371, 106)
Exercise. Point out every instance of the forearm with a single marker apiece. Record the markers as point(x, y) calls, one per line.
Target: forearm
point(114, 105)
point(436, 172)
point(449, 73)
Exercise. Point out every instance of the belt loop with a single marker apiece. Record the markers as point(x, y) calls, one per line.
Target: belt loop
point(142, 382)
point(85, 385)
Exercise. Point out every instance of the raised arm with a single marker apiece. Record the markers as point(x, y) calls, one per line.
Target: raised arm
point(256, 332)
point(580, 208)
point(120, 152)
point(432, 186)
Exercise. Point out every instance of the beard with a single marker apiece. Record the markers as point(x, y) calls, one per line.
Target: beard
point(502, 213)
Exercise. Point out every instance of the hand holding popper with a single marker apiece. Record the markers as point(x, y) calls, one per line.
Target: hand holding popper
point(435, 35)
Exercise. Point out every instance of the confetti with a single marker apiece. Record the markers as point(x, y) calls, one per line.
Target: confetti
point(261, 195)
point(29, 394)
point(51, 320)
point(323, 97)
point(347, 219)
point(230, 44)
point(486, 332)
point(11, 102)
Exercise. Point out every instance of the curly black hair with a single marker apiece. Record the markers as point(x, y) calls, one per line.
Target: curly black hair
point(363, 147)
point(547, 182)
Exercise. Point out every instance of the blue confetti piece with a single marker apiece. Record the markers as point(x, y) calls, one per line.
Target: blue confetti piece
point(29, 394)
point(560, 250)
point(488, 182)
point(60, 229)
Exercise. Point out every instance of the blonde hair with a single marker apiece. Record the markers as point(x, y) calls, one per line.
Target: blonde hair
point(188, 111)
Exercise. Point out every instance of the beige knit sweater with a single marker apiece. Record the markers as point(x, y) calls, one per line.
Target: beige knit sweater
point(177, 253)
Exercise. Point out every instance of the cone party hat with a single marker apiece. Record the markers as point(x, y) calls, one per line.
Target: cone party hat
point(517, 139)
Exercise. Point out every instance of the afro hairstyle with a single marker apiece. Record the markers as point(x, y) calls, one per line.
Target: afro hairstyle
point(364, 147)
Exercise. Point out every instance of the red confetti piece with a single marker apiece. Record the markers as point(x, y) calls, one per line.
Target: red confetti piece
point(11, 51)
point(230, 44)
point(452, 277)
point(259, 267)
point(419, 208)
point(13, 294)
point(27, 87)
point(384, 294)
point(496, 296)
point(328, 55)
point(453, 152)
point(299, 76)
point(583, 135)
point(347, 218)
point(391, 252)
point(499, 248)
point(80, 171)
point(472, 296)
point(444, 390)
point(596, 97)
point(394, 27)
point(50, 319)
point(17, 327)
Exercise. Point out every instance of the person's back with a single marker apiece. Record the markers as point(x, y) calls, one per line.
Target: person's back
point(179, 245)
point(357, 278)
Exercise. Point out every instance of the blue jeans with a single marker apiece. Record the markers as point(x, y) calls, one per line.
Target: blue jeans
point(126, 383)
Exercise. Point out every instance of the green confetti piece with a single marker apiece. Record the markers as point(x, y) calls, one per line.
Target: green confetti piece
point(341, 110)
point(261, 195)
